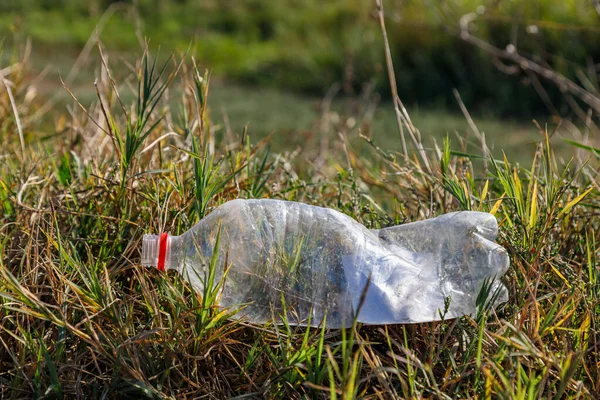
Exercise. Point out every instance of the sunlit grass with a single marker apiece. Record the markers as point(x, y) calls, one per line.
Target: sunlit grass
point(81, 316)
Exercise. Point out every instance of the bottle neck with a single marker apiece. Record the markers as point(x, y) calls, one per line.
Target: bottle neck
point(175, 252)
point(161, 251)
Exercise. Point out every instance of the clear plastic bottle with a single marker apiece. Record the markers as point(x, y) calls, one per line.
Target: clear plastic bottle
point(320, 261)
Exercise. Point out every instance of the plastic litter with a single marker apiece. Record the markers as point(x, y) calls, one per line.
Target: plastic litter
point(307, 261)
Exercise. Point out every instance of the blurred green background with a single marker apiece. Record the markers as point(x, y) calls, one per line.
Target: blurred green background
point(274, 60)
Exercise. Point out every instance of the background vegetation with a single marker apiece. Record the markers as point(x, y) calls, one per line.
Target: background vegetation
point(307, 45)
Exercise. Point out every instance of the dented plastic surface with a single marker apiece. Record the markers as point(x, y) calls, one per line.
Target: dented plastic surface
point(310, 261)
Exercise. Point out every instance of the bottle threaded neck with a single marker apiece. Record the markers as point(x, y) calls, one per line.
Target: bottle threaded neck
point(150, 248)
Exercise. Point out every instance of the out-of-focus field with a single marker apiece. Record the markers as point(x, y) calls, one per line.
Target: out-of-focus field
point(274, 62)
point(292, 119)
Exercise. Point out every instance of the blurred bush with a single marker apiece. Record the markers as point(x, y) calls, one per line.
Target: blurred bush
point(307, 45)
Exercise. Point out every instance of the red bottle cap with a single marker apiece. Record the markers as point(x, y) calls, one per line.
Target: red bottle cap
point(162, 251)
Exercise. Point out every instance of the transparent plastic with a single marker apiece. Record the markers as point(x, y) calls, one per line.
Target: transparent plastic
point(150, 250)
point(305, 262)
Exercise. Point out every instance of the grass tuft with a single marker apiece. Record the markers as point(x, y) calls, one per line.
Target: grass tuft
point(80, 316)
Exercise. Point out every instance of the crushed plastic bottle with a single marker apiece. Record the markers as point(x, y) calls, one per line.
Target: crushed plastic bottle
point(310, 261)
